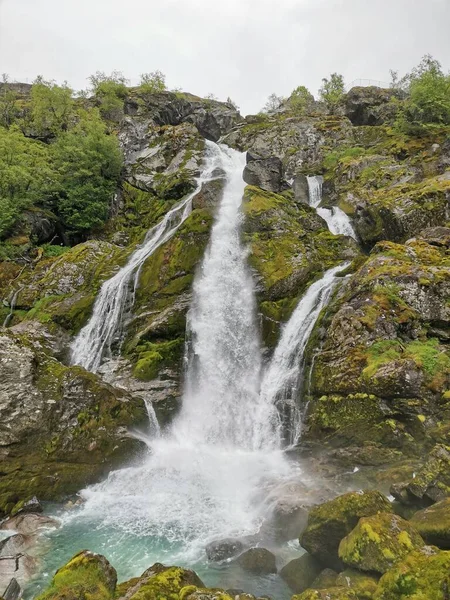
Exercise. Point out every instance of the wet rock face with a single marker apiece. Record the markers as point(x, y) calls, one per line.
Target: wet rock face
point(222, 549)
point(61, 426)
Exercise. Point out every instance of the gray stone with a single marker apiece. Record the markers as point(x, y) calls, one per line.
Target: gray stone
point(223, 549)
point(301, 572)
point(258, 561)
point(266, 173)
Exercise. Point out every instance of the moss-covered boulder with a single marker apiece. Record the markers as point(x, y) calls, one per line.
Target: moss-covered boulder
point(326, 579)
point(300, 572)
point(330, 522)
point(290, 245)
point(423, 574)
point(433, 524)
point(379, 542)
point(62, 427)
point(384, 370)
point(159, 581)
point(86, 575)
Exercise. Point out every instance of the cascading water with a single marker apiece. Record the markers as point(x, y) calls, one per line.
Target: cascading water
point(336, 219)
point(117, 294)
point(282, 380)
point(208, 477)
point(215, 473)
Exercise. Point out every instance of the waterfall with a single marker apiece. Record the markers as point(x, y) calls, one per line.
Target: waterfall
point(116, 295)
point(336, 219)
point(206, 477)
point(224, 368)
point(282, 379)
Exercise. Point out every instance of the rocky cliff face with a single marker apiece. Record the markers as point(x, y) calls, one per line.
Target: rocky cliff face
point(381, 376)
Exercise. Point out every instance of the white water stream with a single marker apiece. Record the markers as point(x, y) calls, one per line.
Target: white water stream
point(116, 295)
point(282, 379)
point(336, 219)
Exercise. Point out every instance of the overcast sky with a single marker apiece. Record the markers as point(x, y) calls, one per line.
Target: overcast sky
point(245, 49)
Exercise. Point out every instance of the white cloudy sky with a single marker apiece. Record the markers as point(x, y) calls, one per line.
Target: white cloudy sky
point(245, 49)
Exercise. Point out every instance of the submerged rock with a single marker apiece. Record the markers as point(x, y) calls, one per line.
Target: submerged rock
point(223, 549)
point(330, 522)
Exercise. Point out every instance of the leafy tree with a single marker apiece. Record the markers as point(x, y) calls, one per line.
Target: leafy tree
point(300, 99)
point(153, 82)
point(88, 163)
point(26, 176)
point(332, 91)
point(52, 107)
point(429, 95)
point(273, 103)
point(110, 90)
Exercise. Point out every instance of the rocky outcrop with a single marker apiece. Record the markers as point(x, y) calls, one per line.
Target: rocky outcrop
point(384, 365)
point(61, 427)
point(265, 173)
point(289, 246)
point(371, 105)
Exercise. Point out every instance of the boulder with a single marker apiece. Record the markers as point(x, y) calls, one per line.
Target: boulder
point(158, 582)
point(258, 561)
point(330, 522)
point(433, 524)
point(300, 573)
point(379, 542)
point(223, 549)
point(424, 573)
point(42, 225)
point(86, 575)
point(266, 173)
point(370, 105)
